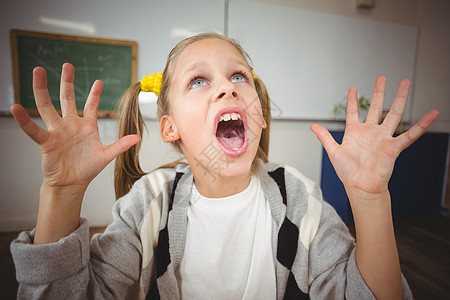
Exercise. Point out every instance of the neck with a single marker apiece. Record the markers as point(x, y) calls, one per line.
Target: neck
point(220, 187)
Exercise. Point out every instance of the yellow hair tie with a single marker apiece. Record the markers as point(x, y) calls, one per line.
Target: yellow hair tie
point(254, 75)
point(152, 83)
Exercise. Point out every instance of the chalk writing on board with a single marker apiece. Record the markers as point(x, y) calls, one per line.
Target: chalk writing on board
point(53, 51)
point(81, 92)
point(105, 57)
point(111, 61)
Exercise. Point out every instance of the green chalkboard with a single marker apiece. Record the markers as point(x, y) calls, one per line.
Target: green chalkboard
point(111, 61)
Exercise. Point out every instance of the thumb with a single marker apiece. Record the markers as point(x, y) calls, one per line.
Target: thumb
point(122, 145)
point(36, 133)
point(325, 138)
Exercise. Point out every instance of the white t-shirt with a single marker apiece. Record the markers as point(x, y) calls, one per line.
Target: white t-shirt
point(228, 252)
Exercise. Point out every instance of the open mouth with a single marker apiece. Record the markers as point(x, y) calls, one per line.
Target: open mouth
point(231, 132)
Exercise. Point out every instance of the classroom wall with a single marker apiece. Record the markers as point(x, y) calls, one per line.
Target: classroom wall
point(430, 89)
point(291, 141)
point(392, 11)
point(431, 86)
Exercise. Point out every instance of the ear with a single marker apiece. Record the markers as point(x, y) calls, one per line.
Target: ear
point(168, 129)
point(264, 124)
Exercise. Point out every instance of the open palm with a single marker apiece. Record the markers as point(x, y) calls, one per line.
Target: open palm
point(365, 159)
point(72, 153)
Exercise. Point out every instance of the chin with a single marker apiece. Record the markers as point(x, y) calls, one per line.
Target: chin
point(235, 169)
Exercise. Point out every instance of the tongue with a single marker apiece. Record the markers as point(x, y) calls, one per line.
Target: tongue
point(232, 143)
point(232, 137)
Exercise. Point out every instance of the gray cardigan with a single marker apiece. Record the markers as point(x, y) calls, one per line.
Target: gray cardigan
point(143, 246)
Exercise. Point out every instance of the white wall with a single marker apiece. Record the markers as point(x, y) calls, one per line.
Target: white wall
point(291, 141)
point(393, 11)
point(309, 59)
point(430, 89)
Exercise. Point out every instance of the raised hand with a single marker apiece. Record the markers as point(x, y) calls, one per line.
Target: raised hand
point(365, 159)
point(72, 153)
point(364, 162)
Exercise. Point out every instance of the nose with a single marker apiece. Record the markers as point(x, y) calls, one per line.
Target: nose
point(226, 91)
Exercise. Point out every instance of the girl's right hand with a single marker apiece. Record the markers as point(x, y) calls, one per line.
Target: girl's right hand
point(72, 153)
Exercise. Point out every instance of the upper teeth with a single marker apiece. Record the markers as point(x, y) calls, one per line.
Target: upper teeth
point(228, 117)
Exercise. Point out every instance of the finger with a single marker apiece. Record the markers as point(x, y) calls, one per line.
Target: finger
point(325, 138)
point(395, 114)
point(406, 139)
point(42, 98)
point(122, 145)
point(93, 100)
point(376, 104)
point(67, 92)
point(35, 132)
point(352, 106)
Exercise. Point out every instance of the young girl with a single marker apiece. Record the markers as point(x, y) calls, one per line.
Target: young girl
point(227, 225)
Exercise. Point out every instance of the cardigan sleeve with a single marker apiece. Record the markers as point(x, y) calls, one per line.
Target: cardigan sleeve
point(332, 263)
point(324, 265)
point(76, 268)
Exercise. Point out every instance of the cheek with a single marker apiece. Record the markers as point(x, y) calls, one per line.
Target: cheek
point(190, 119)
point(254, 109)
point(251, 97)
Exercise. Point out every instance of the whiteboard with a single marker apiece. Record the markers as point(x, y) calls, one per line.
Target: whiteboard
point(309, 59)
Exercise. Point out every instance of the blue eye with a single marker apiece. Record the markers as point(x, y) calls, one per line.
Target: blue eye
point(238, 78)
point(197, 82)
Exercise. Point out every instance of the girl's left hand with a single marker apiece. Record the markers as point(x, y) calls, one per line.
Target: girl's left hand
point(365, 160)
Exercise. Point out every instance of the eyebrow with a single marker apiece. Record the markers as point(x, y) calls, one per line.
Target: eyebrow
point(201, 64)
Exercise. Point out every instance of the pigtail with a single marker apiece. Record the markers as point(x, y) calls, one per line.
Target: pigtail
point(127, 168)
point(264, 98)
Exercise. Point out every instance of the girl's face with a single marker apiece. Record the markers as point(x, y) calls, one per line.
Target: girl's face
point(215, 110)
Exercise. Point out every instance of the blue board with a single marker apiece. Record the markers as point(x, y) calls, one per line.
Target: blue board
point(417, 182)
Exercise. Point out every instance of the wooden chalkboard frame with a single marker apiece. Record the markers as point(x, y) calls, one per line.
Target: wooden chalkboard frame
point(17, 76)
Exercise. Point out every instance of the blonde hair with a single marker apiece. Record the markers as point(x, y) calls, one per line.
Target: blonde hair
point(127, 168)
